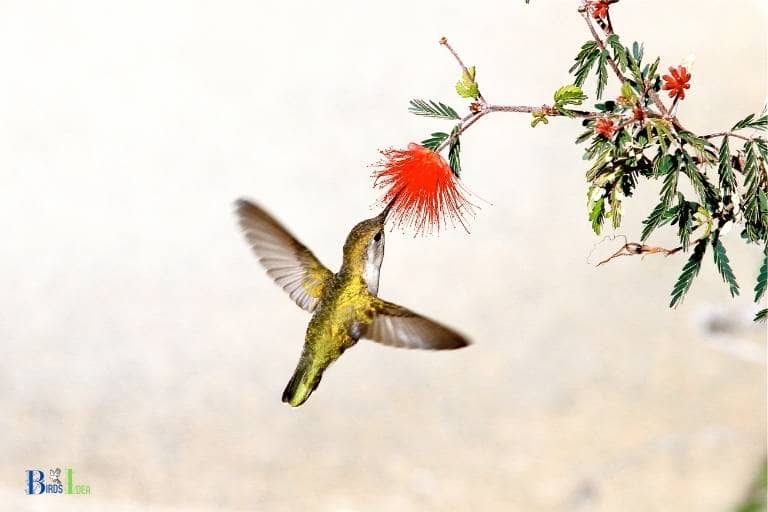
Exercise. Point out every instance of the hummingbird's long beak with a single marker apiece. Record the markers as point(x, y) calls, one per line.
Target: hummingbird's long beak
point(383, 215)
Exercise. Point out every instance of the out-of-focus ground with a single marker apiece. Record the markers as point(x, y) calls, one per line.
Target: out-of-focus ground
point(144, 347)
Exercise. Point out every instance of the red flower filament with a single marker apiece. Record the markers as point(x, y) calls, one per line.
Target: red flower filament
point(677, 83)
point(425, 191)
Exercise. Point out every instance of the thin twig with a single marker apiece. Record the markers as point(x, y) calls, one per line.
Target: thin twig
point(634, 248)
point(626, 123)
point(609, 28)
point(675, 103)
point(601, 44)
point(444, 42)
point(473, 117)
point(471, 122)
point(726, 134)
point(659, 105)
point(465, 123)
point(544, 109)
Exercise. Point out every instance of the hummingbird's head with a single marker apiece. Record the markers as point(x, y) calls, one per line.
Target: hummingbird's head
point(364, 249)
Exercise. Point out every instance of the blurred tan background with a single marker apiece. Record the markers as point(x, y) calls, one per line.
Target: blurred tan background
point(143, 346)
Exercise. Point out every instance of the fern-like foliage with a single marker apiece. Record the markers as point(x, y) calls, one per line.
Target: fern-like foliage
point(429, 108)
point(752, 121)
point(434, 141)
point(725, 169)
point(762, 277)
point(723, 264)
point(689, 273)
point(653, 221)
point(454, 150)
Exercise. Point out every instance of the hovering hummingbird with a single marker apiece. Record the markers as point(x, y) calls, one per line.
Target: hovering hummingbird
point(344, 306)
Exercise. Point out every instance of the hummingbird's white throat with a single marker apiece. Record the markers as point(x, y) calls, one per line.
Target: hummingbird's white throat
point(374, 255)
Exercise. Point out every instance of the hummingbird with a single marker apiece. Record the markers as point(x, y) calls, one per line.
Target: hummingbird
point(345, 306)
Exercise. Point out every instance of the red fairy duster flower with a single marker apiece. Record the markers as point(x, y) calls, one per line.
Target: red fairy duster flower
point(598, 9)
point(605, 127)
point(677, 83)
point(425, 191)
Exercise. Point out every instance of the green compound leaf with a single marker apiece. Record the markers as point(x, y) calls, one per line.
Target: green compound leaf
point(651, 70)
point(684, 221)
point(750, 171)
point(454, 150)
point(466, 86)
point(723, 264)
point(597, 215)
point(619, 53)
point(602, 73)
point(762, 277)
point(435, 140)
point(628, 92)
point(700, 182)
point(614, 199)
point(664, 132)
point(585, 59)
point(752, 121)
point(669, 186)
point(689, 273)
point(585, 136)
point(725, 169)
point(761, 315)
point(653, 220)
point(663, 164)
point(432, 109)
point(569, 95)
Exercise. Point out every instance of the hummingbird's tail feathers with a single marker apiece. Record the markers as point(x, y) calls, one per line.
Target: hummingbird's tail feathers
point(305, 380)
point(397, 326)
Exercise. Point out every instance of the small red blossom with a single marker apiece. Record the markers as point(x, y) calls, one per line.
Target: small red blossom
point(638, 113)
point(605, 127)
point(677, 83)
point(423, 187)
point(598, 9)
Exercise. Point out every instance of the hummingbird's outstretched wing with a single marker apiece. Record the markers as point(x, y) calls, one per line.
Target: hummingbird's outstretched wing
point(287, 260)
point(400, 327)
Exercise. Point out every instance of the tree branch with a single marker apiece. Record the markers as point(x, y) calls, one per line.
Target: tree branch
point(482, 108)
point(665, 113)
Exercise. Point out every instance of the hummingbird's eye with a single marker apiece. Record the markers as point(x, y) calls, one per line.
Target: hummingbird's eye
point(377, 236)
